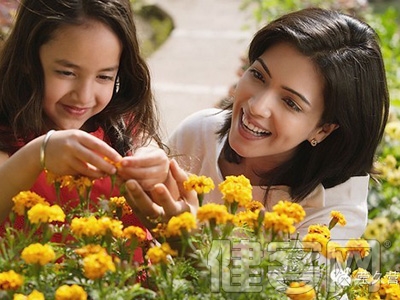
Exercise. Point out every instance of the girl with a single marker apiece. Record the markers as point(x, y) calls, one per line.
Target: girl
point(74, 66)
point(305, 121)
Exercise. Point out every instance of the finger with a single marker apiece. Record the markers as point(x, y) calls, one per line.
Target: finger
point(140, 201)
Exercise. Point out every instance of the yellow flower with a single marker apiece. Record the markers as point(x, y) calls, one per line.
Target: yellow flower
point(315, 242)
point(201, 184)
point(25, 200)
point(320, 229)
point(393, 177)
point(358, 245)
point(246, 218)
point(392, 129)
point(38, 254)
point(393, 293)
point(254, 205)
point(300, 291)
point(97, 264)
point(121, 202)
point(378, 229)
point(91, 227)
point(84, 226)
point(236, 189)
point(217, 212)
point(185, 221)
point(337, 217)
point(90, 249)
point(292, 210)
point(278, 223)
point(43, 213)
point(336, 251)
point(35, 295)
point(10, 280)
point(70, 292)
point(115, 164)
point(135, 232)
point(160, 253)
point(106, 224)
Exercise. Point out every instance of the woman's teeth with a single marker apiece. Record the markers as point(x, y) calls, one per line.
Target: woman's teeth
point(252, 128)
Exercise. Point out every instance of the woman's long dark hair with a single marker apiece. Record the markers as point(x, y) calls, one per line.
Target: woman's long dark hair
point(131, 109)
point(347, 53)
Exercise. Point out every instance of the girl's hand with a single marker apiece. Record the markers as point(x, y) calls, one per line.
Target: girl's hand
point(148, 166)
point(159, 204)
point(75, 152)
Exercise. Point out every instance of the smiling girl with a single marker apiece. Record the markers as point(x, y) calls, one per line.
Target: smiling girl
point(74, 89)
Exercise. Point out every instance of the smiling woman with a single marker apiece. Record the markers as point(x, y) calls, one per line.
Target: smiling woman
point(304, 122)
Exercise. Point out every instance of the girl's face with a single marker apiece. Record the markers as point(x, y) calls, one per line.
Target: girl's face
point(80, 67)
point(278, 105)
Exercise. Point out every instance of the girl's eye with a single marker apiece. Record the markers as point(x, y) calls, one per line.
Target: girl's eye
point(65, 73)
point(292, 105)
point(106, 77)
point(256, 74)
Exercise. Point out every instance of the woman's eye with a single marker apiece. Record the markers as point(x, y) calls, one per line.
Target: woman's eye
point(292, 105)
point(256, 74)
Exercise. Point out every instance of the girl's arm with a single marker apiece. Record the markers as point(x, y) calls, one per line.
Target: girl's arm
point(67, 152)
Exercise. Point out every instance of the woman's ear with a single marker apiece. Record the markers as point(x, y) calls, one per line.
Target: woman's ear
point(323, 131)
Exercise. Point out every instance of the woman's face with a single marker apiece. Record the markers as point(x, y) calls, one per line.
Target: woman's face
point(278, 104)
point(80, 65)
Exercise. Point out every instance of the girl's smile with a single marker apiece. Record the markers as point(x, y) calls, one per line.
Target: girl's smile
point(80, 66)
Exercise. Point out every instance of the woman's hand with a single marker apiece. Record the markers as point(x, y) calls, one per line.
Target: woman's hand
point(160, 204)
point(75, 152)
point(148, 166)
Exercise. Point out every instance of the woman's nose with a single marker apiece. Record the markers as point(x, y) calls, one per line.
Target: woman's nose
point(262, 104)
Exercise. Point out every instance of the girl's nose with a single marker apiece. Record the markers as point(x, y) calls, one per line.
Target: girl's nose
point(83, 92)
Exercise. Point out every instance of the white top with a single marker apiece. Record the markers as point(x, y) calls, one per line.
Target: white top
point(198, 147)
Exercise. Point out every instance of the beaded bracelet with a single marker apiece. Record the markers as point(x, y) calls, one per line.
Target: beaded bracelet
point(43, 148)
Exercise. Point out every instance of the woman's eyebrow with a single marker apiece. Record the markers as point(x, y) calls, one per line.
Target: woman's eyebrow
point(264, 66)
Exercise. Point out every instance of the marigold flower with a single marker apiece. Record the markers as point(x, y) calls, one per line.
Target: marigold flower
point(121, 202)
point(90, 249)
point(135, 232)
point(183, 222)
point(291, 209)
point(315, 242)
point(35, 295)
point(160, 254)
point(246, 218)
point(278, 223)
point(300, 291)
point(70, 292)
point(320, 229)
point(10, 280)
point(106, 224)
point(201, 184)
point(96, 265)
point(25, 200)
point(336, 251)
point(236, 189)
point(254, 205)
point(214, 211)
point(45, 214)
point(115, 164)
point(38, 254)
point(337, 217)
point(393, 292)
point(358, 245)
